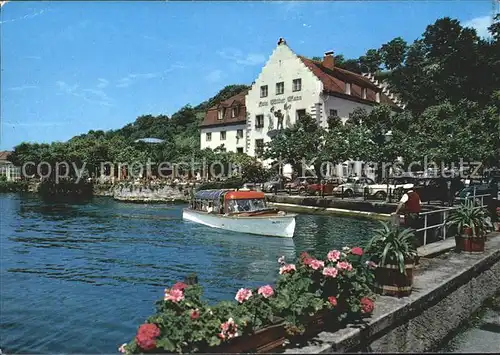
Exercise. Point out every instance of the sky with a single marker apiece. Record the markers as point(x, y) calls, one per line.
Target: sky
point(69, 67)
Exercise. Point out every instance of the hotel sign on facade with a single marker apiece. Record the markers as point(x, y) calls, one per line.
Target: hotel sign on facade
point(280, 101)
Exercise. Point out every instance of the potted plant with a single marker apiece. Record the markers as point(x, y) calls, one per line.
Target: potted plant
point(308, 295)
point(393, 252)
point(471, 223)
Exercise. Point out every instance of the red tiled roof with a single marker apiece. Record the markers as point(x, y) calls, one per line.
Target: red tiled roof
point(4, 155)
point(212, 115)
point(334, 83)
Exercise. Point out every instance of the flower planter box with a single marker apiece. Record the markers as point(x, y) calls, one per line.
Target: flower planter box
point(468, 243)
point(271, 338)
point(390, 281)
point(262, 341)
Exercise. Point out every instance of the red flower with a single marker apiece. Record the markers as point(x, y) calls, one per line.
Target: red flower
point(367, 305)
point(332, 300)
point(179, 286)
point(146, 336)
point(195, 314)
point(357, 251)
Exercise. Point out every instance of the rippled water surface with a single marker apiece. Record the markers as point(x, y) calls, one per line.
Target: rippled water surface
point(80, 278)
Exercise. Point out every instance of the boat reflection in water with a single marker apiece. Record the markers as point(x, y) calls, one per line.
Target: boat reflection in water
point(239, 211)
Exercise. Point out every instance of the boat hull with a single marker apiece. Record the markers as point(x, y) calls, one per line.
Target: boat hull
point(274, 225)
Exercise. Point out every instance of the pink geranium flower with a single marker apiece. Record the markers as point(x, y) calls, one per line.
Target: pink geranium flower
point(174, 295)
point(287, 268)
point(330, 272)
point(229, 329)
point(243, 294)
point(344, 265)
point(315, 264)
point(333, 255)
point(266, 291)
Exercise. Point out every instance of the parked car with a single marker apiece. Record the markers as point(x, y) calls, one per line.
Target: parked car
point(300, 184)
point(327, 187)
point(491, 187)
point(276, 183)
point(353, 186)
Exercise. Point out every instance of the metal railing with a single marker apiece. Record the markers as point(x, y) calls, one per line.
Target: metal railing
point(444, 212)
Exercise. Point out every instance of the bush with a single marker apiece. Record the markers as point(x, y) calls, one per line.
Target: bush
point(13, 186)
point(231, 183)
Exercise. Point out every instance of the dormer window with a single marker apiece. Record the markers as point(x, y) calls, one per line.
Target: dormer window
point(348, 88)
point(221, 113)
point(234, 112)
point(363, 93)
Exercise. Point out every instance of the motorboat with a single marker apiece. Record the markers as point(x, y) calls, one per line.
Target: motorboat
point(239, 211)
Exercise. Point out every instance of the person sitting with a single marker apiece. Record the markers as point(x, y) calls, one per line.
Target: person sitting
point(412, 206)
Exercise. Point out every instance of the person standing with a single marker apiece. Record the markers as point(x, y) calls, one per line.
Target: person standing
point(411, 205)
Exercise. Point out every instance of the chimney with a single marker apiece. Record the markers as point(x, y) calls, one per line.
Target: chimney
point(328, 60)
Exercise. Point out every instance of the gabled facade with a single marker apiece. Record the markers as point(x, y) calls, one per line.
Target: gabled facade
point(290, 85)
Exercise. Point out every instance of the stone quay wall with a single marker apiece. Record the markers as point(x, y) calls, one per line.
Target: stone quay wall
point(447, 290)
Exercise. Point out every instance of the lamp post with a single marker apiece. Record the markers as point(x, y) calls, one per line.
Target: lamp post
point(387, 139)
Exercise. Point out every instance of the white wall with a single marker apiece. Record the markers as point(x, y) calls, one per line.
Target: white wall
point(282, 66)
point(343, 107)
point(231, 142)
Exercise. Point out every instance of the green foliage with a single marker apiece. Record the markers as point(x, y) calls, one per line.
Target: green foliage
point(392, 245)
point(467, 215)
point(231, 183)
point(180, 132)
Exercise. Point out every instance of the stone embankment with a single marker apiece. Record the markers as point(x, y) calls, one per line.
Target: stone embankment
point(447, 290)
point(144, 193)
point(336, 206)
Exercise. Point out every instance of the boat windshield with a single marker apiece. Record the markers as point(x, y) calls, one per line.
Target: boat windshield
point(247, 205)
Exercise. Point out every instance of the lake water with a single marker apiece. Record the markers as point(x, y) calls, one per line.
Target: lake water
point(80, 278)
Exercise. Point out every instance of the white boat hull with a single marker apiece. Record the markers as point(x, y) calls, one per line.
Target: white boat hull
point(276, 226)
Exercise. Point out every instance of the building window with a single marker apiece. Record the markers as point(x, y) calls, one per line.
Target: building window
point(221, 113)
point(348, 88)
point(234, 112)
point(297, 84)
point(239, 134)
point(300, 113)
point(223, 135)
point(280, 88)
point(259, 121)
point(333, 113)
point(209, 136)
point(259, 147)
point(239, 150)
point(363, 93)
point(263, 91)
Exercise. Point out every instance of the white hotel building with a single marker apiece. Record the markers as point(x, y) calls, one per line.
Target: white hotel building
point(293, 85)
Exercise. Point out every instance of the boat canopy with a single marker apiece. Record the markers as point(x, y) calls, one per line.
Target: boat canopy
point(243, 195)
point(209, 194)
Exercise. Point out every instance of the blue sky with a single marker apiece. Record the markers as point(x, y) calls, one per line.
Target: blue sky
point(68, 67)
